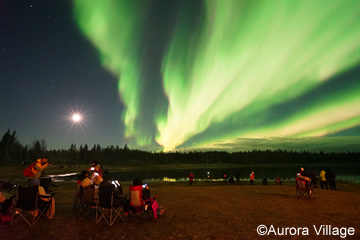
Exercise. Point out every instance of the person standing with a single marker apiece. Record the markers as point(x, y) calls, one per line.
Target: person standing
point(225, 176)
point(323, 181)
point(252, 178)
point(265, 181)
point(330, 177)
point(312, 176)
point(191, 178)
point(38, 170)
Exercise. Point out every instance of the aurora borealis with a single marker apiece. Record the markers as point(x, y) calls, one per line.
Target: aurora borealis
point(181, 75)
point(200, 73)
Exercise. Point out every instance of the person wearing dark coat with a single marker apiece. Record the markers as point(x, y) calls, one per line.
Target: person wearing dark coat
point(330, 177)
point(265, 181)
point(106, 187)
point(231, 180)
point(312, 175)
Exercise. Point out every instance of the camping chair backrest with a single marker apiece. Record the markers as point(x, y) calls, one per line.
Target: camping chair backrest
point(300, 184)
point(105, 196)
point(87, 194)
point(136, 196)
point(27, 197)
point(45, 183)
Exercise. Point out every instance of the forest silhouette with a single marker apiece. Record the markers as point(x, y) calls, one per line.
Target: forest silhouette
point(12, 151)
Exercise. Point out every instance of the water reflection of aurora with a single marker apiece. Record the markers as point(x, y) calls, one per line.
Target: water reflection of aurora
point(287, 173)
point(204, 74)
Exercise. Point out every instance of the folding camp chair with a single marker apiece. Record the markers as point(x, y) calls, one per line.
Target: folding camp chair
point(278, 181)
point(85, 202)
point(302, 189)
point(149, 211)
point(46, 183)
point(137, 203)
point(106, 209)
point(29, 206)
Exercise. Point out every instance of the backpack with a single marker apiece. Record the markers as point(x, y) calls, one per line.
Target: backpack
point(28, 172)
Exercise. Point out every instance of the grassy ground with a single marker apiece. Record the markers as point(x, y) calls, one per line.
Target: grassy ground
point(206, 210)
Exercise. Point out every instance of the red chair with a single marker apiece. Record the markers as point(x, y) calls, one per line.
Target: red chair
point(303, 189)
point(137, 203)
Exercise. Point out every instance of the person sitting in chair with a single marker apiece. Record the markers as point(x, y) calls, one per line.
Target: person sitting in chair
point(278, 180)
point(116, 189)
point(146, 196)
point(151, 202)
point(95, 167)
point(301, 176)
point(127, 207)
point(84, 179)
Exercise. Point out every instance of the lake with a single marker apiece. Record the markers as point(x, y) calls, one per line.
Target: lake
point(343, 172)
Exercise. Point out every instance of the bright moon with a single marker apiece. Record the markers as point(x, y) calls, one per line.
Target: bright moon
point(76, 118)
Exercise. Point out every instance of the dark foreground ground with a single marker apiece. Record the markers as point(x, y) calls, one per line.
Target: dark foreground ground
point(208, 211)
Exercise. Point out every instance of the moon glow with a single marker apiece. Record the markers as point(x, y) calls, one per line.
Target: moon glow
point(76, 117)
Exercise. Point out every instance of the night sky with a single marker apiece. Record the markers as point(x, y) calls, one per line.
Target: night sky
point(194, 75)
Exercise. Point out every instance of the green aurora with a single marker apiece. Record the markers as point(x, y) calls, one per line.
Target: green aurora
point(197, 74)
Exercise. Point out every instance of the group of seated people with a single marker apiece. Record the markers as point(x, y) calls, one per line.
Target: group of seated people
point(7, 200)
point(277, 180)
point(93, 176)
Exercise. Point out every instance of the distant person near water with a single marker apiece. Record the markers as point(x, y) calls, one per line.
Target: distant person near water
point(278, 180)
point(225, 176)
point(265, 181)
point(191, 178)
point(252, 178)
point(323, 181)
point(231, 180)
point(330, 177)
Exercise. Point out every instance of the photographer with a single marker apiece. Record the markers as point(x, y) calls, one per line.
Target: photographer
point(38, 170)
point(150, 202)
point(115, 188)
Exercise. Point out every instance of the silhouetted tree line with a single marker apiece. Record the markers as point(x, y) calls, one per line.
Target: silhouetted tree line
point(11, 151)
